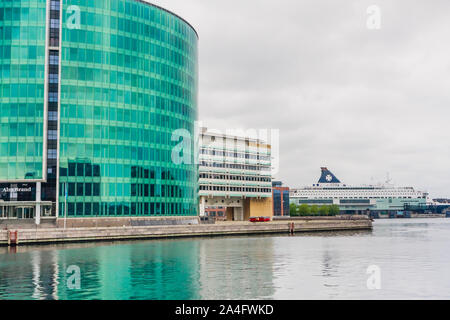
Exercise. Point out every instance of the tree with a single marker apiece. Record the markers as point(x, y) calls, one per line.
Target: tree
point(293, 210)
point(304, 210)
point(314, 210)
point(324, 210)
point(334, 210)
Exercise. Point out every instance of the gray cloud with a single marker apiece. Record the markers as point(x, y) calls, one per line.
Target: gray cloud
point(362, 102)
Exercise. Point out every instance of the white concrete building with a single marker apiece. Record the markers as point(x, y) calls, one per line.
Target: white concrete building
point(235, 172)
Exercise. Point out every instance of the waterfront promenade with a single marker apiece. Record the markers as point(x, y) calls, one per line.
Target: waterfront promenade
point(61, 235)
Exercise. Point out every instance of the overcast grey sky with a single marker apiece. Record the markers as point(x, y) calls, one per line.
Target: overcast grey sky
point(362, 102)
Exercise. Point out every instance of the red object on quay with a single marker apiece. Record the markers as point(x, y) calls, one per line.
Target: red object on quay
point(259, 219)
point(13, 238)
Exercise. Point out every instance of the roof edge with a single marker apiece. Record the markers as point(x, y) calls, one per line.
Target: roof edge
point(172, 13)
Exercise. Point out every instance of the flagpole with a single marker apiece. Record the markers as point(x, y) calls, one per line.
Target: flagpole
point(65, 205)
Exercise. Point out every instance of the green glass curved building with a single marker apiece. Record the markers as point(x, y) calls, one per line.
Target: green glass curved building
point(91, 95)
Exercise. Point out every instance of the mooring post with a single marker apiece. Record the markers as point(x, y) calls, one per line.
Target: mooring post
point(12, 238)
point(291, 227)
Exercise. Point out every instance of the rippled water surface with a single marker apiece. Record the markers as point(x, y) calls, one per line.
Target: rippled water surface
point(413, 257)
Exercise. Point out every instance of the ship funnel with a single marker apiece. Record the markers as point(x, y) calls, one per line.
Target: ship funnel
point(327, 176)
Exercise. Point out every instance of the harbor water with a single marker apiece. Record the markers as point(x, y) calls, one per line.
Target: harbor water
point(398, 259)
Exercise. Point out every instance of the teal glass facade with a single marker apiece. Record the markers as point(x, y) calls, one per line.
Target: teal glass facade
point(127, 81)
point(22, 73)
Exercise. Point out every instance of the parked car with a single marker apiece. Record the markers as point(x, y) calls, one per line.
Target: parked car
point(259, 219)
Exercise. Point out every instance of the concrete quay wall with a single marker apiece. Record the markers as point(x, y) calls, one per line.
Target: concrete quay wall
point(126, 222)
point(58, 235)
point(315, 218)
point(428, 215)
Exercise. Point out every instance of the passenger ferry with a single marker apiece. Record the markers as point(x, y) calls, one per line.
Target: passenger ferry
point(376, 199)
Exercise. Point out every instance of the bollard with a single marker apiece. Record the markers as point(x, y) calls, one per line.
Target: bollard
point(291, 227)
point(13, 238)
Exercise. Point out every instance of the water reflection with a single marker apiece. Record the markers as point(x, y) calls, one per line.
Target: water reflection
point(32, 276)
point(412, 256)
point(236, 268)
point(36, 267)
point(184, 269)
